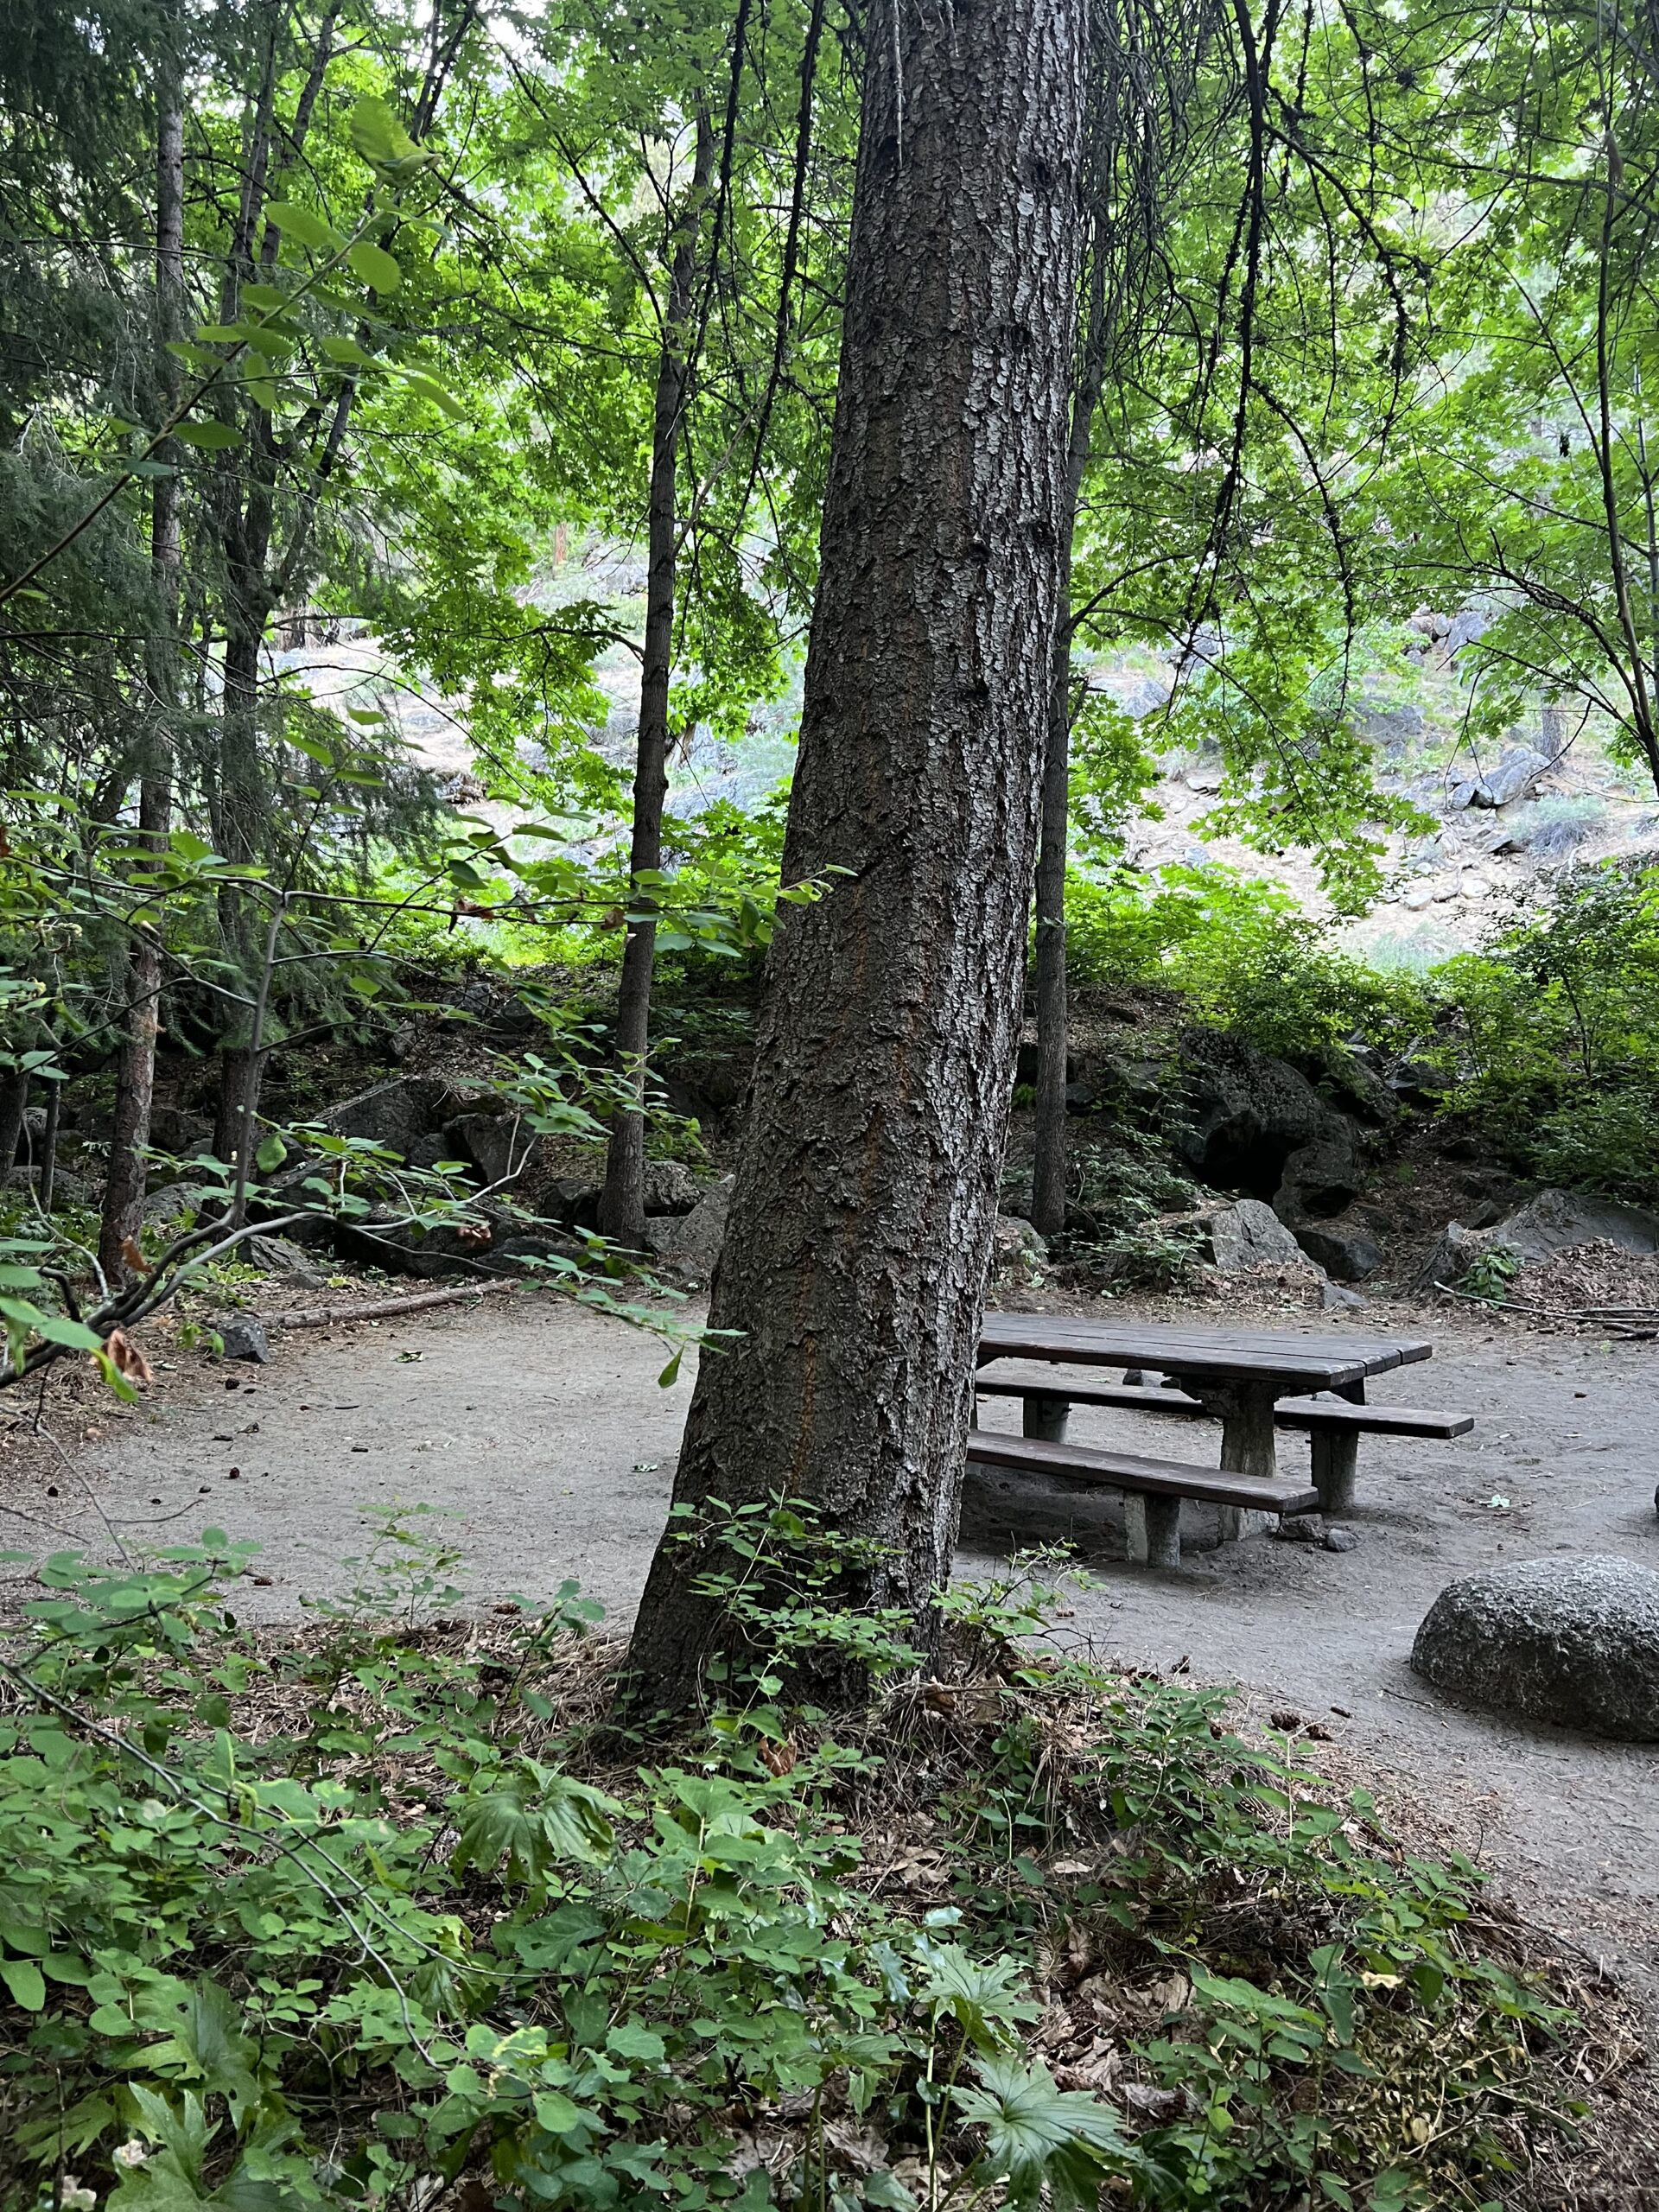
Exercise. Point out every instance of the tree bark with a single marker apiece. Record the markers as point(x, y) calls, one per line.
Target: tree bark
point(238, 1100)
point(14, 1105)
point(865, 1200)
point(49, 1145)
point(622, 1200)
point(135, 1075)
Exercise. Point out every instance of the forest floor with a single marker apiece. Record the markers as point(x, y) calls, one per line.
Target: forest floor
point(538, 1430)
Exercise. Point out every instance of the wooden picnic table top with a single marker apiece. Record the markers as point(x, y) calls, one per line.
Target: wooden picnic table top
point(1298, 1361)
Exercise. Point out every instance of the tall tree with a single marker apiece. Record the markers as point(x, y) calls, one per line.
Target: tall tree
point(861, 1220)
point(622, 1201)
point(134, 1085)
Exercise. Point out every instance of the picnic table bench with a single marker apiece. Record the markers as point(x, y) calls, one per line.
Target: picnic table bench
point(1254, 1382)
point(1334, 1426)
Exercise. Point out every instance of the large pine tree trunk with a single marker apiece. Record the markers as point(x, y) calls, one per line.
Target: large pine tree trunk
point(622, 1200)
point(866, 1195)
point(135, 1076)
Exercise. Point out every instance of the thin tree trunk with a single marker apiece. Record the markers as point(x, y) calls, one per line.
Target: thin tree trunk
point(14, 1105)
point(238, 1102)
point(621, 1204)
point(861, 1219)
point(49, 1145)
point(135, 1075)
point(1049, 1162)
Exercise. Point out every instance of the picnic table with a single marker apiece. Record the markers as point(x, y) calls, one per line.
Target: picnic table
point(1254, 1382)
point(1237, 1374)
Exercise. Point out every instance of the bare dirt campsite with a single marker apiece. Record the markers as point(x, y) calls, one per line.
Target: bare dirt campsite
point(537, 1432)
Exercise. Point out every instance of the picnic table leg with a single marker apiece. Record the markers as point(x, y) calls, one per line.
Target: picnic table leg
point(1153, 1528)
point(1336, 1465)
point(1045, 1418)
point(1248, 1444)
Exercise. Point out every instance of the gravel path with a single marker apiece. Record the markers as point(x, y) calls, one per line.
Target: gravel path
point(540, 1430)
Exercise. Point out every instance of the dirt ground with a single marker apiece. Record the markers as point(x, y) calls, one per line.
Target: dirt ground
point(539, 1430)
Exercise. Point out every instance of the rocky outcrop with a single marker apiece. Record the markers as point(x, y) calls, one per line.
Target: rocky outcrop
point(1320, 1180)
point(1256, 1124)
point(1545, 1223)
point(1569, 1640)
point(1244, 1113)
point(398, 1114)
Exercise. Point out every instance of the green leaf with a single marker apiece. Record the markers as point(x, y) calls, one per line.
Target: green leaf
point(25, 1981)
point(56, 1328)
point(629, 2040)
point(211, 437)
point(375, 266)
point(379, 138)
point(1039, 2136)
point(349, 354)
point(556, 2112)
point(306, 226)
point(426, 386)
point(533, 1819)
point(270, 1156)
point(670, 1374)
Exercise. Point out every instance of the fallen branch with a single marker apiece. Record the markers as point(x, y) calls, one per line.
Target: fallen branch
point(382, 1309)
point(1620, 1319)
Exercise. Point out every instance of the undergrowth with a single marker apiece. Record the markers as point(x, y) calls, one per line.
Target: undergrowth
point(376, 1913)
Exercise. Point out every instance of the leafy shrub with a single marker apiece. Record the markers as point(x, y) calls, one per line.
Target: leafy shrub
point(1242, 953)
point(1559, 823)
point(1491, 1274)
point(364, 1918)
point(1554, 1031)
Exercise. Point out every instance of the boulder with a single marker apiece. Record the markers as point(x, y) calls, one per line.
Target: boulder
point(172, 1129)
point(166, 1208)
point(1017, 1248)
point(68, 1188)
point(671, 1187)
point(398, 1114)
point(1513, 777)
point(1551, 1221)
point(1569, 1640)
point(1546, 1222)
point(490, 1143)
point(1320, 1180)
point(1346, 1252)
point(284, 1261)
point(1248, 1235)
point(1453, 1257)
point(693, 1246)
point(241, 1335)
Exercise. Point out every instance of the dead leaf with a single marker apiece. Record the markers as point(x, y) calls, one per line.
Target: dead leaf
point(130, 1362)
point(862, 2148)
point(779, 1758)
point(1148, 2103)
point(1098, 2071)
